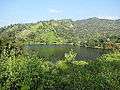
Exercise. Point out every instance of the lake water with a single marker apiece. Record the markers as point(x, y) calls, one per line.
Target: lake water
point(57, 52)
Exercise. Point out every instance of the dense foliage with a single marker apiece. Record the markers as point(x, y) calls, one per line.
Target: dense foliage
point(26, 73)
point(93, 32)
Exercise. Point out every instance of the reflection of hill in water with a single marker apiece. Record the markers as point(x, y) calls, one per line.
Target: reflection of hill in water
point(55, 52)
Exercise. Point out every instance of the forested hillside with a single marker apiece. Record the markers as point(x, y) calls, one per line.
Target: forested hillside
point(90, 32)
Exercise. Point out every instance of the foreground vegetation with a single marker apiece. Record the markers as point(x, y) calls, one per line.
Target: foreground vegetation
point(31, 73)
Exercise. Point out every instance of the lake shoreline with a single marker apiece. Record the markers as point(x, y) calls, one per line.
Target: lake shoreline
point(96, 47)
point(58, 51)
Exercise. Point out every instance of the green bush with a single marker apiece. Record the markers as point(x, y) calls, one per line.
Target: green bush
point(27, 73)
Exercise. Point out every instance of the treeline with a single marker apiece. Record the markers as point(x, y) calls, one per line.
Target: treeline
point(91, 32)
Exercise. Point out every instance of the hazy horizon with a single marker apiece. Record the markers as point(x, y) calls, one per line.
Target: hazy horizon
point(28, 11)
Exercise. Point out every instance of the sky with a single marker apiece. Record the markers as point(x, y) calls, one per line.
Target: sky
point(27, 11)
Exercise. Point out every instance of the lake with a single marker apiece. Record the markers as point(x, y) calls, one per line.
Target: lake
point(57, 52)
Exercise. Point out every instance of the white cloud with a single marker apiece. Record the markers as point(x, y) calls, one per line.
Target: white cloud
point(56, 11)
point(109, 17)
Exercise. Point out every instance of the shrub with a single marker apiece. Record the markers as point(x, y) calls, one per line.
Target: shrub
point(27, 73)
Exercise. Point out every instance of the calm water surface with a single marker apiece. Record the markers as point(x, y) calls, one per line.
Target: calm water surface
point(57, 52)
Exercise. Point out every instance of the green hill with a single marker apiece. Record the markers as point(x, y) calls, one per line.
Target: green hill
point(92, 32)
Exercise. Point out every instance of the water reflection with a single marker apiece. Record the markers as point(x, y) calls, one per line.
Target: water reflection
point(55, 52)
